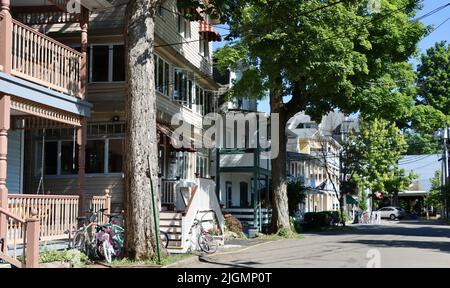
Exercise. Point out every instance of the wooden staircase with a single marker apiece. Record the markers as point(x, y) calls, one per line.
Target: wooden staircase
point(170, 222)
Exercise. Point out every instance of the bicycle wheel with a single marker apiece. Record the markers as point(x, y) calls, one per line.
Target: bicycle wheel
point(164, 239)
point(107, 251)
point(207, 243)
point(79, 242)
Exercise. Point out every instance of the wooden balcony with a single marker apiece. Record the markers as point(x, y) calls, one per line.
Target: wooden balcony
point(42, 60)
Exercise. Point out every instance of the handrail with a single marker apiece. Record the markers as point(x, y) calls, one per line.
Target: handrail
point(32, 196)
point(46, 37)
point(10, 215)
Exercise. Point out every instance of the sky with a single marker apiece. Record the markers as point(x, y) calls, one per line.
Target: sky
point(443, 33)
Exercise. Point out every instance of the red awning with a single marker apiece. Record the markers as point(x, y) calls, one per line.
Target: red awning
point(208, 32)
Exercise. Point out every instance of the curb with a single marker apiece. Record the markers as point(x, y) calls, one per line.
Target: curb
point(182, 263)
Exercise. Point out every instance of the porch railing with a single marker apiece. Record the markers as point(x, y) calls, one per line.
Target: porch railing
point(56, 213)
point(43, 60)
point(101, 202)
point(168, 192)
point(22, 234)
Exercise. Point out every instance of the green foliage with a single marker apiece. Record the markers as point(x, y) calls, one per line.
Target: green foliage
point(379, 146)
point(433, 102)
point(75, 257)
point(437, 193)
point(363, 201)
point(313, 220)
point(434, 77)
point(296, 195)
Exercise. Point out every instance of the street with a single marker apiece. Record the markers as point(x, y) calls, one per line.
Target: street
point(393, 244)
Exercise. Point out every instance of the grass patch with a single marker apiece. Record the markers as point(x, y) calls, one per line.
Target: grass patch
point(167, 260)
point(276, 237)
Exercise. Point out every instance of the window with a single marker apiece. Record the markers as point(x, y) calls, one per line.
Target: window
point(118, 63)
point(100, 64)
point(202, 167)
point(183, 88)
point(162, 72)
point(204, 47)
point(184, 27)
point(51, 158)
point(69, 158)
point(107, 63)
point(95, 156)
point(115, 155)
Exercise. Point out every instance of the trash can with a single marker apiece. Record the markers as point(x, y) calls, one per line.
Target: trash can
point(252, 231)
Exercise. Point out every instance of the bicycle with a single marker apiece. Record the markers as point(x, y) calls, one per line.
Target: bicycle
point(205, 240)
point(85, 237)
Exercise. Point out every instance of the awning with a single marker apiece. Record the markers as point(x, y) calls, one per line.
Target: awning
point(350, 200)
point(208, 32)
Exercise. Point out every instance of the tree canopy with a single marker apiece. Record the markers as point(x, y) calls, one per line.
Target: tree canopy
point(323, 55)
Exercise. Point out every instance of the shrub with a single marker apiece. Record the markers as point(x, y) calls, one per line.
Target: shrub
point(320, 219)
point(233, 224)
point(76, 258)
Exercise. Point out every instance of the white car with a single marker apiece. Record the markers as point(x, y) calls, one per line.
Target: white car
point(392, 212)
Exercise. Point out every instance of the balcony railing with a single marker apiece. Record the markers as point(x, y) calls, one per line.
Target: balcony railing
point(43, 60)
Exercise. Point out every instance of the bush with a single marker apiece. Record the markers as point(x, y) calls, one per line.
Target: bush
point(320, 219)
point(233, 224)
point(75, 257)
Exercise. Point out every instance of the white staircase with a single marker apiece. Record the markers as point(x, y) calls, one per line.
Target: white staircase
point(178, 224)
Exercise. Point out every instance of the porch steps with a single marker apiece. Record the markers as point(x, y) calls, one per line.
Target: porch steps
point(170, 222)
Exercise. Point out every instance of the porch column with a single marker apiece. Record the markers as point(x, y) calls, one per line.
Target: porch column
point(81, 133)
point(5, 105)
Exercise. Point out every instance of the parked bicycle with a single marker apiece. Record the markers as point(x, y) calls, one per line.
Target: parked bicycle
point(206, 240)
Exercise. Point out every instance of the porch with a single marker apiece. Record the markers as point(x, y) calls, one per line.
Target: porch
point(42, 86)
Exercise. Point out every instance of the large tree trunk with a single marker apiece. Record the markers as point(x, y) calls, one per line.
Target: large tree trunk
point(140, 141)
point(280, 209)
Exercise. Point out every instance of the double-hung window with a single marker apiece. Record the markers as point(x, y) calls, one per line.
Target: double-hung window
point(202, 166)
point(204, 47)
point(184, 27)
point(183, 88)
point(107, 63)
point(162, 72)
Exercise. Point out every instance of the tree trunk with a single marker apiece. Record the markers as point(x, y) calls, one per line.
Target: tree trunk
point(140, 142)
point(280, 208)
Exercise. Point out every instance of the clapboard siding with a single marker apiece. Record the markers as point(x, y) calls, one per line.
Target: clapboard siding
point(14, 176)
point(111, 22)
point(95, 186)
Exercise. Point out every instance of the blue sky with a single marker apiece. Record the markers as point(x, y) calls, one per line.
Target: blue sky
point(443, 33)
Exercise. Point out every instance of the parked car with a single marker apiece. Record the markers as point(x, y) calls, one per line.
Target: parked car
point(392, 212)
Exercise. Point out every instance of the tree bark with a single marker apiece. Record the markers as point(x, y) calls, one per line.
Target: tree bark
point(141, 141)
point(280, 208)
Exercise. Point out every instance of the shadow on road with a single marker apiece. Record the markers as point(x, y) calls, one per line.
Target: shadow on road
point(419, 230)
point(430, 245)
point(228, 264)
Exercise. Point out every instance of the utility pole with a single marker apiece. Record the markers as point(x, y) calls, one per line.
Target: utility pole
point(445, 178)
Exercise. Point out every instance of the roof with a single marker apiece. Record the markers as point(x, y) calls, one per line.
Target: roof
point(422, 165)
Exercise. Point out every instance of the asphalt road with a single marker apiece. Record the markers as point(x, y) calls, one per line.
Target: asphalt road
point(392, 244)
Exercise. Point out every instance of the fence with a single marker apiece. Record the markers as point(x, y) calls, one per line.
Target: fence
point(56, 213)
point(24, 233)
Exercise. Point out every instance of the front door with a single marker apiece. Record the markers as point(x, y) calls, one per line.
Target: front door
point(244, 194)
